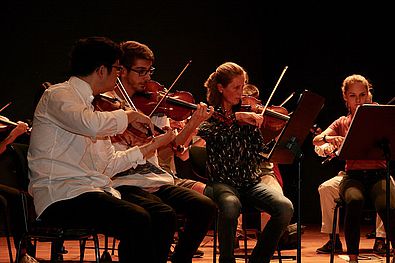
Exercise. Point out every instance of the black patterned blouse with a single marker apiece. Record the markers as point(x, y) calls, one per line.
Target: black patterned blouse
point(233, 151)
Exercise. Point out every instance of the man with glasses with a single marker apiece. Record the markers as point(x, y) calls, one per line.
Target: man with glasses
point(199, 210)
point(71, 158)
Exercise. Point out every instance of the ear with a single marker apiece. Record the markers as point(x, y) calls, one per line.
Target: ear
point(101, 71)
point(344, 97)
point(220, 88)
point(123, 72)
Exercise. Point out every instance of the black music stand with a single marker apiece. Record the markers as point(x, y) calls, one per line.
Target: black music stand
point(286, 147)
point(371, 136)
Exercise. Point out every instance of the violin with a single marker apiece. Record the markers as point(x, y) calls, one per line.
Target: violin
point(102, 102)
point(276, 117)
point(178, 105)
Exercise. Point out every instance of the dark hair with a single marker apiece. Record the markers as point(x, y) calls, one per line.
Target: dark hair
point(133, 50)
point(90, 53)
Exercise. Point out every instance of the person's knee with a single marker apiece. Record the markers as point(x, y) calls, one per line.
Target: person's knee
point(230, 207)
point(283, 210)
point(328, 190)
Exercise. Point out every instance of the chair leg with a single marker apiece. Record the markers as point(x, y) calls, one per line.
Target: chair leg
point(7, 233)
point(82, 250)
point(334, 226)
point(215, 226)
point(97, 251)
point(245, 245)
point(279, 255)
point(113, 246)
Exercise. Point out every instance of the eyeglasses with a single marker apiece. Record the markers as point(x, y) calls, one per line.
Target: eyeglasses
point(144, 72)
point(118, 68)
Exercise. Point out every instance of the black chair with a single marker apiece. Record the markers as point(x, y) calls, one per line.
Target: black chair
point(6, 226)
point(34, 229)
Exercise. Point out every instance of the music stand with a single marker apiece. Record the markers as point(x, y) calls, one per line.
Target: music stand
point(371, 136)
point(287, 144)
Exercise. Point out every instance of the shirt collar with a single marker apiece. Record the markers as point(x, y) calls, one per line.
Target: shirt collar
point(83, 88)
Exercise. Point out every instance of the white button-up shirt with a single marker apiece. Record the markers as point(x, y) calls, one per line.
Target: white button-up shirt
point(70, 153)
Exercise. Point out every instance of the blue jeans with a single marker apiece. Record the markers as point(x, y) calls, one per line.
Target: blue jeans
point(230, 200)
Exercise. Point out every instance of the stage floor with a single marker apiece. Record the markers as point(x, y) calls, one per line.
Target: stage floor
point(311, 240)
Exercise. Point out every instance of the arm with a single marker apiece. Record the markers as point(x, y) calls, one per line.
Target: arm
point(20, 129)
point(328, 136)
point(201, 114)
point(119, 161)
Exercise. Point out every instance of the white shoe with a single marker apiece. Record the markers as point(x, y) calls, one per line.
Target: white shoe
point(28, 259)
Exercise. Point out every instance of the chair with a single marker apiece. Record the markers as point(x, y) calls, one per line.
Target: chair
point(35, 230)
point(198, 157)
point(6, 227)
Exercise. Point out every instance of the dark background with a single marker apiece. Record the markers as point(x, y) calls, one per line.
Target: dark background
point(321, 43)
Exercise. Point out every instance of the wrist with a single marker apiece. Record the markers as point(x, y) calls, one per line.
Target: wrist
point(324, 139)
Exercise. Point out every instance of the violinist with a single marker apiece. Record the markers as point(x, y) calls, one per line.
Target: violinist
point(233, 152)
point(363, 178)
point(12, 195)
point(71, 159)
point(270, 172)
point(19, 129)
point(158, 192)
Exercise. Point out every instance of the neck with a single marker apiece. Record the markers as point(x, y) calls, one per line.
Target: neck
point(227, 106)
point(90, 80)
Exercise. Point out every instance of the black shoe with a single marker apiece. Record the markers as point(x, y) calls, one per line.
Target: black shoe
point(327, 248)
point(105, 257)
point(371, 235)
point(198, 254)
point(379, 246)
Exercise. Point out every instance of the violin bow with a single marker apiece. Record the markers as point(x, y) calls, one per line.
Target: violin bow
point(275, 87)
point(172, 85)
point(124, 94)
point(5, 106)
point(287, 99)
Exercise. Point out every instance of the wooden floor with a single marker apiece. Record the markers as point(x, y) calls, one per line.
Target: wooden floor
point(311, 240)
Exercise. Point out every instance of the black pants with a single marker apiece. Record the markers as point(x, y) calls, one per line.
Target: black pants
point(128, 222)
point(355, 188)
point(163, 219)
point(197, 209)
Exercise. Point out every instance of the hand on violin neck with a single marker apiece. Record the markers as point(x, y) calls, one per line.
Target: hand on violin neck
point(157, 142)
point(202, 113)
point(249, 118)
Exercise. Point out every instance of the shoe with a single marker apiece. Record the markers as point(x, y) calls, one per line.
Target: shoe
point(105, 257)
point(28, 259)
point(379, 246)
point(327, 248)
point(198, 254)
point(371, 235)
